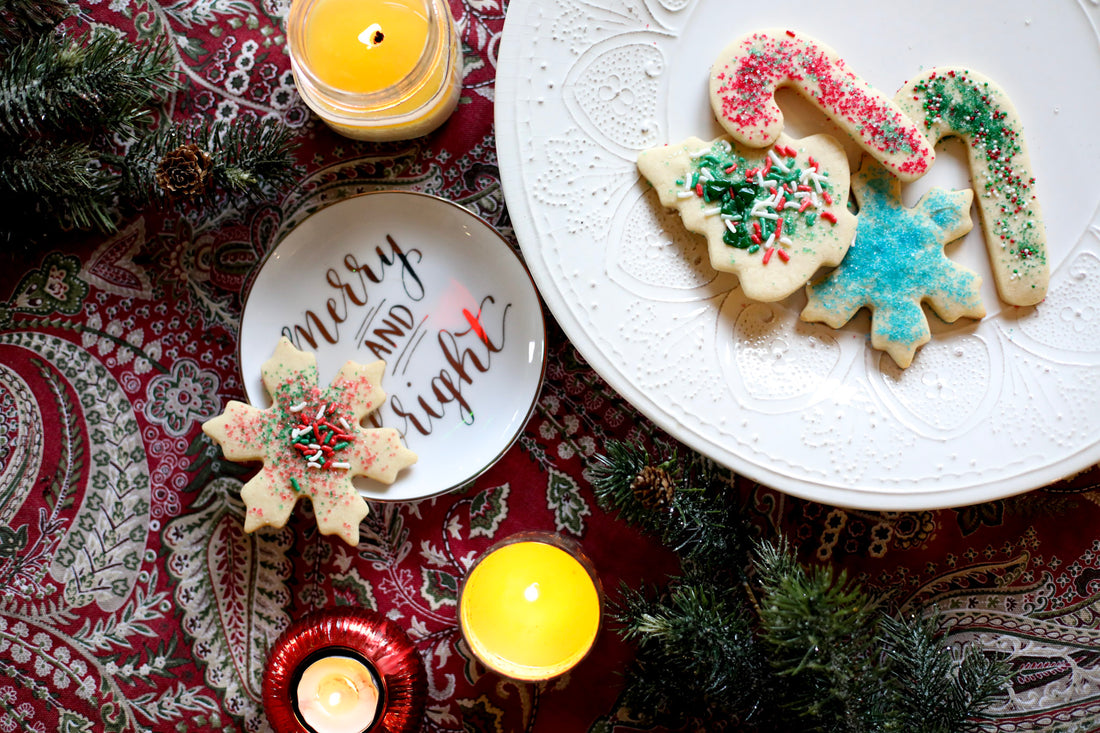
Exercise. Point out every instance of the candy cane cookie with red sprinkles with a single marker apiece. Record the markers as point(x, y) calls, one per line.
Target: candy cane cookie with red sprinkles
point(311, 443)
point(958, 102)
point(747, 73)
point(772, 216)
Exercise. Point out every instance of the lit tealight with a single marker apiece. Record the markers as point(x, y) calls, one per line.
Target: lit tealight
point(530, 609)
point(338, 695)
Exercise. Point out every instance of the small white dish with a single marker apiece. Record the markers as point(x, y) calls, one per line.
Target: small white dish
point(436, 293)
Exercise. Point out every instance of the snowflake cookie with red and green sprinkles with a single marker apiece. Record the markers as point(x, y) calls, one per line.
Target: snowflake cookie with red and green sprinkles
point(748, 71)
point(896, 263)
point(958, 102)
point(311, 442)
point(771, 216)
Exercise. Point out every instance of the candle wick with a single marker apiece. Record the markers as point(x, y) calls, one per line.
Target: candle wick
point(372, 35)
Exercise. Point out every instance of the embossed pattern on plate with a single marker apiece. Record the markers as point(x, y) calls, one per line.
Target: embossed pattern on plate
point(987, 409)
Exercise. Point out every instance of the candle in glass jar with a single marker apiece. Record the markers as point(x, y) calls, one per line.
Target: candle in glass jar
point(376, 69)
point(337, 694)
point(530, 608)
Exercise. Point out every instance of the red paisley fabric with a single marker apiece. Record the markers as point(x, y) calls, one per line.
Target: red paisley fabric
point(132, 600)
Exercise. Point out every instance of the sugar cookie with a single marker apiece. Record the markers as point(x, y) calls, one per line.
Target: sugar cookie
point(744, 79)
point(311, 443)
point(897, 262)
point(952, 101)
point(772, 216)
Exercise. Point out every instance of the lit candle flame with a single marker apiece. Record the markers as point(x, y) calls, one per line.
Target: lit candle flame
point(531, 592)
point(372, 35)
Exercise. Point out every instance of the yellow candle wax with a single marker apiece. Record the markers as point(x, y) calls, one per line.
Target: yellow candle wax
point(337, 694)
point(530, 610)
point(376, 69)
point(365, 46)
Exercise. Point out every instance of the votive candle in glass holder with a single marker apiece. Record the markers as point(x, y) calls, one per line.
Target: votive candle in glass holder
point(530, 607)
point(376, 69)
point(344, 670)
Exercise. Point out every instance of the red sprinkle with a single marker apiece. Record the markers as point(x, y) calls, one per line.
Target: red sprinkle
point(783, 255)
point(828, 199)
point(699, 189)
point(828, 216)
point(768, 254)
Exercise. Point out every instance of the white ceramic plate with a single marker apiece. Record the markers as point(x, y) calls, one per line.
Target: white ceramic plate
point(437, 294)
point(985, 411)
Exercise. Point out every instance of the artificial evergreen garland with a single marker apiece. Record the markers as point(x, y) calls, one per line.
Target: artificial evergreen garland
point(748, 639)
point(78, 144)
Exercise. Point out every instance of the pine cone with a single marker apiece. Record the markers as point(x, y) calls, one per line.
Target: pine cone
point(653, 487)
point(184, 171)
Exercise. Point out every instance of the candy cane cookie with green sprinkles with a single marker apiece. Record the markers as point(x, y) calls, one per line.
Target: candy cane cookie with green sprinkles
point(748, 71)
point(959, 102)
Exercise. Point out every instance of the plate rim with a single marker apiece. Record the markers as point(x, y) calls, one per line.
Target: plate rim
point(432, 200)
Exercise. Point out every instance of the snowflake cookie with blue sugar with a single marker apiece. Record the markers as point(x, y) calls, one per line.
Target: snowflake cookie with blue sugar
point(896, 263)
point(773, 216)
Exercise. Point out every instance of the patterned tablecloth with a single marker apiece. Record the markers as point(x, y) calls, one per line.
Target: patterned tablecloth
point(130, 597)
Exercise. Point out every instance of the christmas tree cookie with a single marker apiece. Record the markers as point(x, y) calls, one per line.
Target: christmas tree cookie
point(311, 443)
point(773, 216)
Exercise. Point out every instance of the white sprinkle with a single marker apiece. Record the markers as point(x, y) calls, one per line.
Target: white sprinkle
point(731, 217)
point(771, 239)
point(320, 413)
point(815, 201)
point(344, 425)
point(318, 456)
point(699, 153)
point(684, 194)
point(766, 215)
point(298, 407)
point(712, 211)
point(792, 205)
point(777, 163)
point(731, 226)
point(340, 464)
point(297, 433)
point(313, 465)
point(786, 241)
point(759, 178)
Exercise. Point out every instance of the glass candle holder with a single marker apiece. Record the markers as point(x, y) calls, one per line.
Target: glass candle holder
point(344, 670)
point(376, 69)
point(530, 608)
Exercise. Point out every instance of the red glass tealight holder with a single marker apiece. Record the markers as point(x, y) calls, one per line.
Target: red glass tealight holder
point(344, 670)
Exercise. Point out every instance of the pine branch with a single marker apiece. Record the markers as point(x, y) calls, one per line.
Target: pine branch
point(96, 83)
point(938, 691)
point(821, 631)
point(701, 637)
point(748, 636)
point(22, 19)
point(249, 160)
point(702, 523)
point(59, 180)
